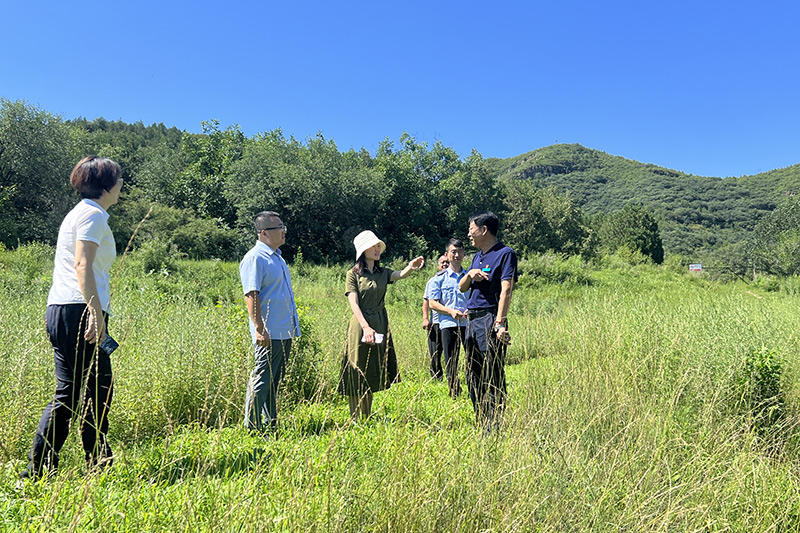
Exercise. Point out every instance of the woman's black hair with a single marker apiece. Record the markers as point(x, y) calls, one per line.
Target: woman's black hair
point(93, 175)
point(361, 265)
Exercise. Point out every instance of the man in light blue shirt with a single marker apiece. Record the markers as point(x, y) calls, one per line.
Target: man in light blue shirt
point(431, 325)
point(274, 322)
point(451, 304)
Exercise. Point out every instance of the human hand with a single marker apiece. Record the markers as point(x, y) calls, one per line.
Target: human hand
point(369, 335)
point(503, 335)
point(417, 263)
point(456, 314)
point(426, 323)
point(262, 336)
point(476, 274)
point(95, 329)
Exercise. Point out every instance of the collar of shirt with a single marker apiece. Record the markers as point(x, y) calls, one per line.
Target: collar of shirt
point(453, 274)
point(92, 203)
point(269, 250)
point(497, 246)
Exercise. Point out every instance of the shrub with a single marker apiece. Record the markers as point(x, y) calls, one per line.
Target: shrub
point(29, 261)
point(759, 389)
point(553, 269)
point(305, 377)
point(768, 282)
point(158, 256)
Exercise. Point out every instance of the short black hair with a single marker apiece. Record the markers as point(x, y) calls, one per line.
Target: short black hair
point(93, 175)
point(486, 218)
point(263, 221)
point(453, 242)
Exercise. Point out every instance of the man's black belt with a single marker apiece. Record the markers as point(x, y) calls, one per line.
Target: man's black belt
point(477, 313)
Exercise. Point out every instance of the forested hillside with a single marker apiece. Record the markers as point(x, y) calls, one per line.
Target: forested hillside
point(696, 214)
point(198, 192)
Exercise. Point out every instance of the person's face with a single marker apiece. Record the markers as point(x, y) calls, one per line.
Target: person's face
point(276, 235)
point(373, 252)
point(455, 255)
point(443, 263)
point(477, 235)
point(115, 191)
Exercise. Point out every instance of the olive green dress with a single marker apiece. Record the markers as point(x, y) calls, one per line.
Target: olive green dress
point(368, 367)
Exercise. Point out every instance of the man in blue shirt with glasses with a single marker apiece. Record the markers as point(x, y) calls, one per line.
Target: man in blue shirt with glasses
point(274, 322)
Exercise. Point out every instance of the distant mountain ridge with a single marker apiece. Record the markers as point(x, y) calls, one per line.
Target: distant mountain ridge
point(697, 215)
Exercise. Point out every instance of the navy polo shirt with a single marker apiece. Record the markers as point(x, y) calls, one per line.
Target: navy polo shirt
point(500, 262)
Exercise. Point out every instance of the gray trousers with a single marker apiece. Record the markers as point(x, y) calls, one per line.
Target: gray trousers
point(260, 406)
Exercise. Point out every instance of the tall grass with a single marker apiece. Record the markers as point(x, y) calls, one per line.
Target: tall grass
point(626, 411)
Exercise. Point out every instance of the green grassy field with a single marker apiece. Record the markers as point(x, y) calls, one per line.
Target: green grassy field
point(640, 400)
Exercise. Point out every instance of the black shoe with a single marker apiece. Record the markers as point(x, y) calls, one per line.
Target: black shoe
point(93, 464)
point(28, 474)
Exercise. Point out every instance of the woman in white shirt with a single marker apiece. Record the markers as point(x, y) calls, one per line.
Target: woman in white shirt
point(76, 321)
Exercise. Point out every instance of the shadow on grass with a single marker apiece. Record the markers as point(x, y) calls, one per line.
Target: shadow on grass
point(193, 466)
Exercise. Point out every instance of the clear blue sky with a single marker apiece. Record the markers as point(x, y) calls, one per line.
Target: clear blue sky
point(710, 88)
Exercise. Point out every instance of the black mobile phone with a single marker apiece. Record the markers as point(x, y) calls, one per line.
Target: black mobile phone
point(109, 344)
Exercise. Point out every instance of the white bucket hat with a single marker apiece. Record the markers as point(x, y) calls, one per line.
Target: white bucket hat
point(367, 239)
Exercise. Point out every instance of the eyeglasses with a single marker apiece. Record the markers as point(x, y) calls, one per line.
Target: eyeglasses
point(284, 227)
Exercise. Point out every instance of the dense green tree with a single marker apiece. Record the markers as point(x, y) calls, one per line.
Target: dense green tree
point(775, 245)
point(194, 237)
point(36, 157)
point(158, 175)
point(312, 187)
point(471, 188)
point(209, 159)
point(539, 220)
point(127, 144)
point(635, 228)
point(404, 218)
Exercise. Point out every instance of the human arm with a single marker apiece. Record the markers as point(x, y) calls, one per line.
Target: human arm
point(426, 314)
point(85, 253)
point(436, 305)
point(254, 310)
point(369, 333)
point(414, 264)
point(503, 305)
point(476, 274)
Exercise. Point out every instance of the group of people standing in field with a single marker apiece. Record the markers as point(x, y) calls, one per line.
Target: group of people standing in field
point(470, 308)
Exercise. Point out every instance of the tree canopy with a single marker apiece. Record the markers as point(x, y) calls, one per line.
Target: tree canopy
point(199, 192)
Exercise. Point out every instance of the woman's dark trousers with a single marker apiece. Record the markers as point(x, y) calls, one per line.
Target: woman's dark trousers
point(79, 365)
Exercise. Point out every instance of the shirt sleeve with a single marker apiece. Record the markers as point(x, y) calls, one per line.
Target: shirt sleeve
point(350, 283)
point(509, 267)
point(248, 271)
point(389, 273)
point(434, 288)
point(90, 228)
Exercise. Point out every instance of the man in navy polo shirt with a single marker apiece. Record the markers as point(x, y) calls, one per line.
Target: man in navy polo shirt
point(491, 277)
point(268, 294)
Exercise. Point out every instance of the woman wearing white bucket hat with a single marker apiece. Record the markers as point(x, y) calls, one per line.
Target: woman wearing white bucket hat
point(369, 363)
